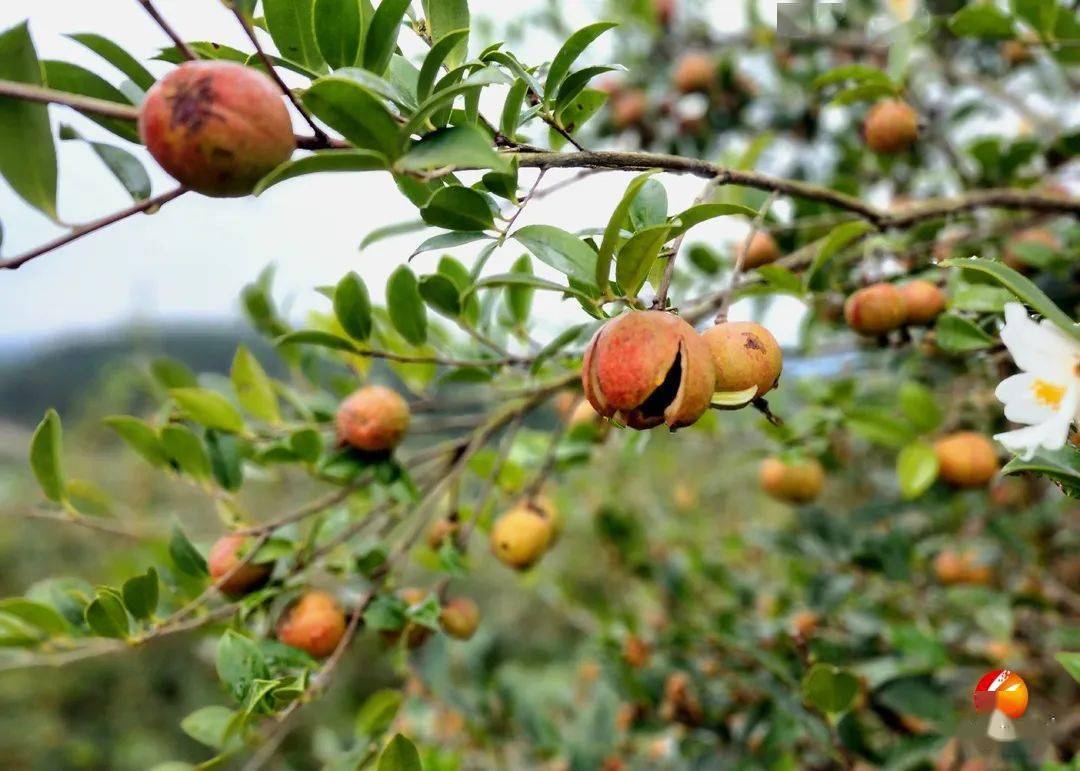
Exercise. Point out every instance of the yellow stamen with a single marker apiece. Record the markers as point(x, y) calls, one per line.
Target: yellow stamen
point(1048, 394)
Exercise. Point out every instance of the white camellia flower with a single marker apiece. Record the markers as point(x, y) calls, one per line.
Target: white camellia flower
point(1045, 395)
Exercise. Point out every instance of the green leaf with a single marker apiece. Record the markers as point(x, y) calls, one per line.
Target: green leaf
point(879, 426)
point(254, 390)
point(27, 152)
point(141, 594)
point(563, 251)
point(356, 112)
point(291, 24)
point(442, 97)
point(458, 147)
point(916, 469)
point(406, 306)
point(239, 664)
point(209, 725)
point(171, 373)
point(523, 280)
point(399, 85)
point(869, 92)
point(377, 713)
point(185, 556)
point(317, 337)
point(226, 461)
point(382, 34)
point(842, 236)
point(860, 73)
point(1063, 466)
point(36, 614)
point(441, 294)
point(352, 306)
point(574, 46)
point(65, 76)
point(614, 229)
point(980, 298)
point(322, 162)
point(636, 257)
point(389, 231)
point(576, 82)
point(519, 298)
point(829, 688)
point(46, 459)
point(445, 17)
point(695, 215)
point(1023, 288)
point(982, 20)
point(444, 47)
point(650, 206)
point(1071, 662)
point(511, 112)
point(450, 240)
point(337, 31)
point(920, 406)
point(958, 335)
point(458, 208)
point(208, 408)
point(117, 57)
point(186, 450)
point(400, 755)
point(106, 616)
point(127, 169)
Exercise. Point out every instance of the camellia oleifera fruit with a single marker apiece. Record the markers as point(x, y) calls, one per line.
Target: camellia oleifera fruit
point(373, 419)
point(460, 618)
point(694, 71)
point(876, 309)
point(923, 301)
point(795, 482)
point(966, 459)
point(745, 354)
point(217, 127)
point(520, 537)
point(646, 368)
point(761, 250)
point(314, 623)
point(227, 557)
point(628, 108)
point(891, 127)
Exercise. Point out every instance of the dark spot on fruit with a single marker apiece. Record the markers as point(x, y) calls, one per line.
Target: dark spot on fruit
point(753, 344)
point(192, 104)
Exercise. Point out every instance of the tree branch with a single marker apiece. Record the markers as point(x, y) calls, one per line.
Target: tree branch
point(90, 227)
point(102, 107)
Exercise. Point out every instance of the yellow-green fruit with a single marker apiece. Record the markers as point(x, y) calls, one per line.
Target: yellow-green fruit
point(799, 482)
point(520, 537)
point(891, 126)
point(923, 300)
point(746, 354)
point(460, 617)
point(875, 309)
point(966, 459)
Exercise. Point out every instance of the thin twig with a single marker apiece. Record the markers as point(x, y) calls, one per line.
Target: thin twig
point(184, 48)
point(320, 135)
point(521, 207)
point(90, 227)
point(91, 523)
point(103, 107)
point(755, 226)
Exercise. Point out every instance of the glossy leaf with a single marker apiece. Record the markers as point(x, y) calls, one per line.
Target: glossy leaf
point(27, 152)
point(574, 46)
point(458, 208)
point(444, 17)
point(291, 24)
point(357, 113)
point(563, 251)
point(613, 231)
point(399, 755)
point(141, 594)
point(916, 469)
point(337, 26)
point(106, 616)
point(46, 457)
point(405, 306)
point(382, 34)
point(65, 76)
point(352, 306)
point(458, 147)
point(958, 335)
point(636, 257)
point(445, 50)
point(322, 162)
point(208, 408)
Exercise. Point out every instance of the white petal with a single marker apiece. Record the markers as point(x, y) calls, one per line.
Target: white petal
point(1042, 349)
point(1015, 387)
point(1028, 411)
point(1023, 441)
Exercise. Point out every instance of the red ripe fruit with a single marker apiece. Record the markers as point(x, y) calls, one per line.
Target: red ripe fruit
point(228, 552)
point(373, 419)
point(646, 368)
point(217, 127)
point(314, 623)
